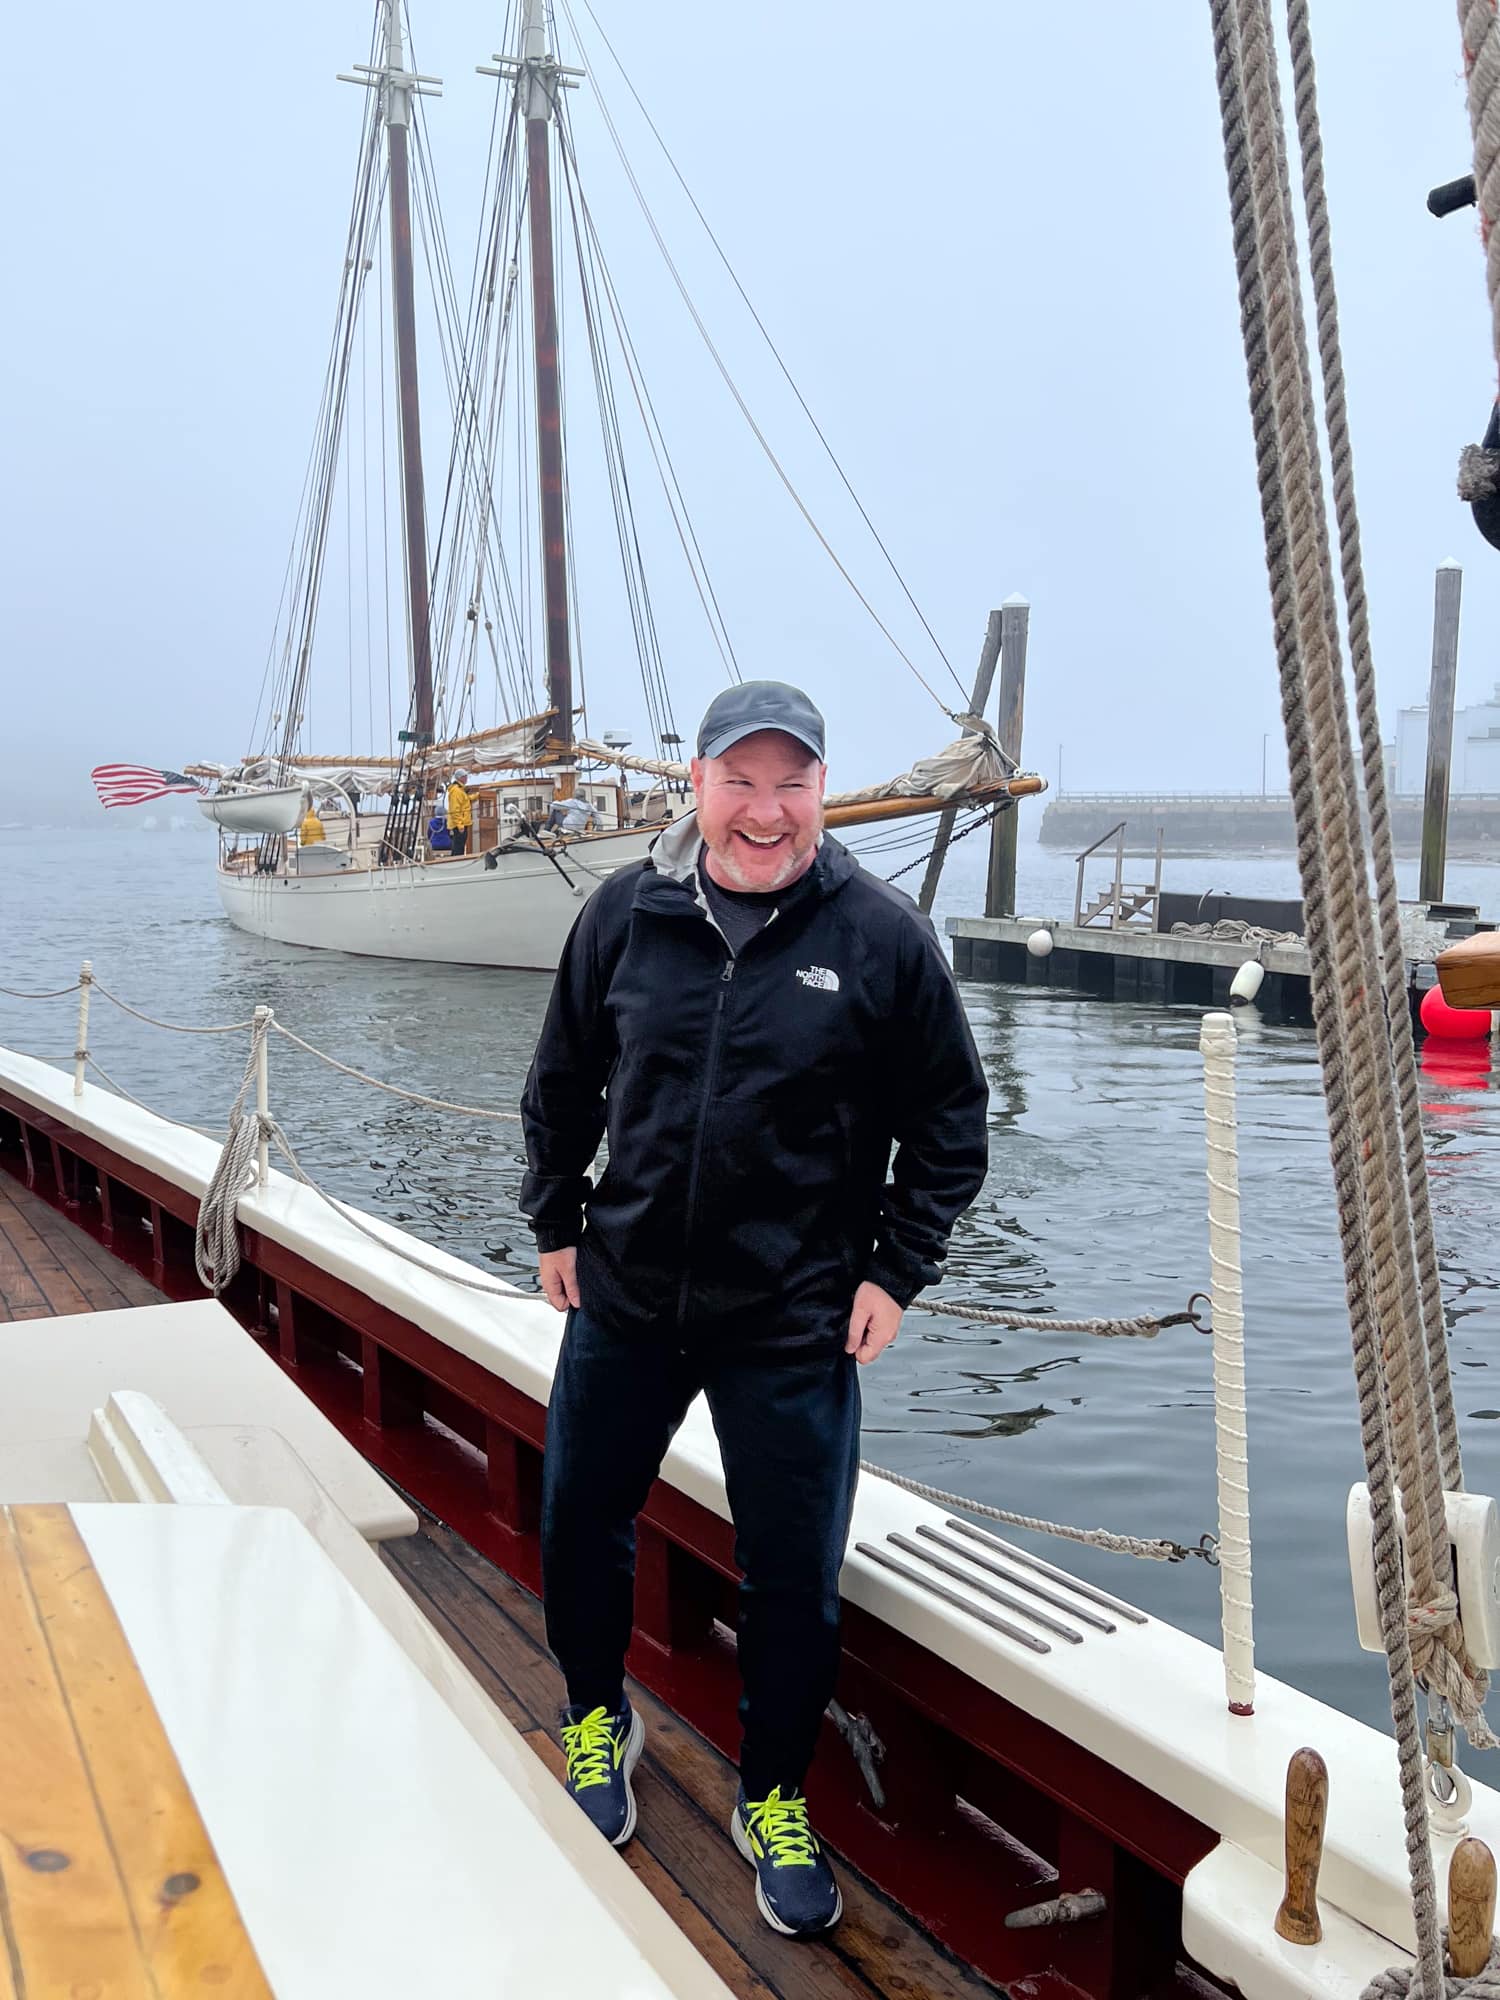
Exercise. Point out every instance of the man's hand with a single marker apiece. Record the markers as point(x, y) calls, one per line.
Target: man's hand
point(559, 1272)
point(873, 1324)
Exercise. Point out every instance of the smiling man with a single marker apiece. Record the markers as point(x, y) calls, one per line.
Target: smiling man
point(757, 1024)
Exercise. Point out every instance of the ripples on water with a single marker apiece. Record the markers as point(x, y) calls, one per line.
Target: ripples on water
point(1094, 1205)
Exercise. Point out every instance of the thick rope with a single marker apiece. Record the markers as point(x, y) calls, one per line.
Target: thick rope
point(395, 1090)
point(1154, 1550)
point(1399, 1982)
point(1278, 416)
point(1144, 1326)
point(61, 993)
point(1481, 38)
point(1371, 1183)
point(1393, 955)
point(1422, 1426)
point(175, 1027)
point(216, 1241)
point(207, 1131)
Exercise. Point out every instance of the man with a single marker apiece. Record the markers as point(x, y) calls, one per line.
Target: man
point(460, 813)
point(574, 815)
point(756, 1022)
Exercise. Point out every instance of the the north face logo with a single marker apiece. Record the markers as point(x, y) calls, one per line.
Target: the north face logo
point(819, 976)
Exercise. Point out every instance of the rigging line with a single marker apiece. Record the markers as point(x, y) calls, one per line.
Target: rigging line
point(316, 545)
point(498, 261)
point(764, 333)
point(656, 438)
point(364, 484)
point(482, 439)
point(632, 575)
point(298, 530)
point(385, 514)
point(759, 434)
point(648, 647)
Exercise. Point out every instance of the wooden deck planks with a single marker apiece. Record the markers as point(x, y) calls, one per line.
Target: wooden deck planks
point(682, 1850)
point(48, 1265)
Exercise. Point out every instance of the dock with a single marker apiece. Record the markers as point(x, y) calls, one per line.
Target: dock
point(1164, 968)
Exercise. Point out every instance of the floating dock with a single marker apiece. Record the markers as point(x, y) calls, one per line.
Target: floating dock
point(1163, 968)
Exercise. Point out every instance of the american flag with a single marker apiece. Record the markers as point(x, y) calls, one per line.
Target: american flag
point(133, 784)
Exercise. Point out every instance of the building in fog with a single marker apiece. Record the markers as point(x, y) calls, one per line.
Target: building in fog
point(1476, 749)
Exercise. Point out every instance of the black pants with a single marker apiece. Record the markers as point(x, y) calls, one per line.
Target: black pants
point(459, 835)
point(788, 1429)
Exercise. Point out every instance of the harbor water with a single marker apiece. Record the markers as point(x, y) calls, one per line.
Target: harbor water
point(1094, 1203)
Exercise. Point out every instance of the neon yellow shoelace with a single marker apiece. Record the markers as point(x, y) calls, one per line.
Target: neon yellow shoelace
point(781, 1826)
point(589, 1748)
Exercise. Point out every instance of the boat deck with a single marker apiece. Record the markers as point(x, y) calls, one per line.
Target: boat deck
point(682, 1851)
point(49, 1265)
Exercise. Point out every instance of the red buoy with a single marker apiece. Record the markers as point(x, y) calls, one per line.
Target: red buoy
point(1458, 1024)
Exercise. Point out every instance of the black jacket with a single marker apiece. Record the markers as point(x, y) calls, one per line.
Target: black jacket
point(751, 1104)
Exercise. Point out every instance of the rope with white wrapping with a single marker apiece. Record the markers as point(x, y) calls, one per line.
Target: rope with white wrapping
point(1378, 1174)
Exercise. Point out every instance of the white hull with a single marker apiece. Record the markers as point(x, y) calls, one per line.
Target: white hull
point(518, 913)
point(256, 812)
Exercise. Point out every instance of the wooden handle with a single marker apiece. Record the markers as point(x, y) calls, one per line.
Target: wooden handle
point(1306, 1814)
point(1471, 1908)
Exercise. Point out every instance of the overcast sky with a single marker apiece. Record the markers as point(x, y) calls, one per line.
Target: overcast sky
point(991, 240)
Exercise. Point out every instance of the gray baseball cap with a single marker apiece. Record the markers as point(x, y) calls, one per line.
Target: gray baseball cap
point(755, 705)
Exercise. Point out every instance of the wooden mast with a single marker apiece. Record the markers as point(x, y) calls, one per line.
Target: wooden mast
point(536, 80)
point(398, 87)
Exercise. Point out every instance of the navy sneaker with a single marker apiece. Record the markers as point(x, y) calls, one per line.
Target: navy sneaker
point(602, 1750)
point(794, 1887)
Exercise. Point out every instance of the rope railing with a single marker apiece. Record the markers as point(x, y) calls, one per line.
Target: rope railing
point(252, 1134)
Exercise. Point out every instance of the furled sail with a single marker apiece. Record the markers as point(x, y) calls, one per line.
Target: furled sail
point(973, 764)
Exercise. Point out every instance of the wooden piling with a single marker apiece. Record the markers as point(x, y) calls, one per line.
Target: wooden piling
point(1015, 619)
point(1447, 594)
point(989, 655)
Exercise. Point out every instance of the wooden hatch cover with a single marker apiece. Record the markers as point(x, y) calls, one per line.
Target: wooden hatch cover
point(109, 1883)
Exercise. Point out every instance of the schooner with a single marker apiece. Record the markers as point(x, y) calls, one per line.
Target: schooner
point(363, 874)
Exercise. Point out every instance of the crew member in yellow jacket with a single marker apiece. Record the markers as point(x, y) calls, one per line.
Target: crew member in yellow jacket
point(460, 812)
point(311, 829)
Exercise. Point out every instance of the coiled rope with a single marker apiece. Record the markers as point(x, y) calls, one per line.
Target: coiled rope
point(1399, 1982)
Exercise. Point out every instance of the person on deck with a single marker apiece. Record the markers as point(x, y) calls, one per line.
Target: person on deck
point(573, 815)
point(756, 1022)
point(310, 832)
point(460, 812)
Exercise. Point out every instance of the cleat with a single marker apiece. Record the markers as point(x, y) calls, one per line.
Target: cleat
point(601, 1751)
point(795, 1890)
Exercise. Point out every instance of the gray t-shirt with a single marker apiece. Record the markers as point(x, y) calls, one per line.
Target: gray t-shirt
point(739, 913)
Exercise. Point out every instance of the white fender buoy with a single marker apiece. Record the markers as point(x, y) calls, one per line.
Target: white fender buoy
point(1039, 944)
point(1246, 983)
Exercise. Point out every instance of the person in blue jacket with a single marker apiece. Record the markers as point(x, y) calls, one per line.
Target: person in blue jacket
point(773, 1041)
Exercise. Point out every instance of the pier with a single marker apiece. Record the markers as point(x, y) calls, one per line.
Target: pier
point(1163, 968)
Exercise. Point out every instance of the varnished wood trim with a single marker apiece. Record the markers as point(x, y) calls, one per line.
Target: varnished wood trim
point(190, 1935)
point(66, 1921)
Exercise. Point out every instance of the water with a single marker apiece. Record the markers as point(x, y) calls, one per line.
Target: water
point(1094, 1205)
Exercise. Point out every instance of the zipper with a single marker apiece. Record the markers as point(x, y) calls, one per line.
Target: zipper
point(715, 1041)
